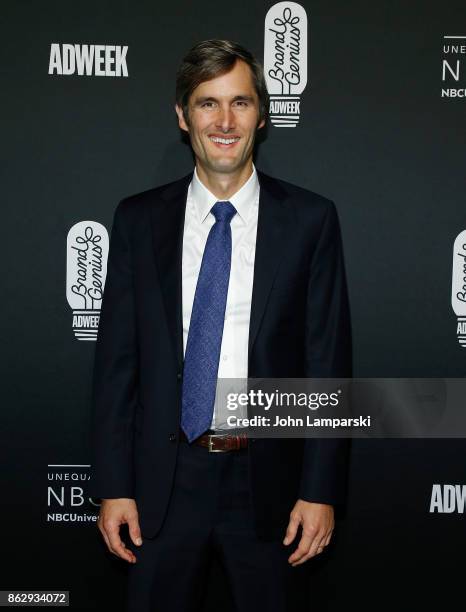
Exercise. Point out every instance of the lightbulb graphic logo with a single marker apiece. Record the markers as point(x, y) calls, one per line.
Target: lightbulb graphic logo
point(285, 61)
point(86, 269)
point(458, 286)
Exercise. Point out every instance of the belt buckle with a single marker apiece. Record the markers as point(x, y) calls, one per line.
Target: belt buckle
point(211, 449)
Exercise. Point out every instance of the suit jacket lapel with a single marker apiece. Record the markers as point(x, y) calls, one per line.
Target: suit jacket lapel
point(272, 227)
point(167, 232)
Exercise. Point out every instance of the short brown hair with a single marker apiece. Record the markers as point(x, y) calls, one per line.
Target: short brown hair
point(210, 59)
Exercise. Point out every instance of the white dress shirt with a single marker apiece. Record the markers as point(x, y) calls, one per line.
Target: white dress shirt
point(198, 221)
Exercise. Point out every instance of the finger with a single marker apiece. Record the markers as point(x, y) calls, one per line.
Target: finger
point(116, 544)
point(134, 530)
point(292, 529)
point(102, 531)
point(303, 548)
point(107, 541)
point(328, 538)
point(303, 560)
point(316, 548)
point(317, 545)
point(130, 552)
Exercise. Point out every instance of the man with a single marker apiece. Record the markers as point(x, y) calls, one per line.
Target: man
point(225, 273)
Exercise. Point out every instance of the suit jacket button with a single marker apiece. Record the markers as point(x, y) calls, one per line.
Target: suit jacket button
point(172, 437)
point(179, 376)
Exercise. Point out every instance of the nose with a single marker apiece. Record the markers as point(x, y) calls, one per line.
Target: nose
point(225, 119)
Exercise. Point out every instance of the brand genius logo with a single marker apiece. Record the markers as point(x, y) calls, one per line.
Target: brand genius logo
point(458, 286)
point(88, 60)
point(285, 61)
point(86, 270)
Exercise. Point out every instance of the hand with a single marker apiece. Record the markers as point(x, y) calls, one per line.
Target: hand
point(317, 522)
point(116, 512)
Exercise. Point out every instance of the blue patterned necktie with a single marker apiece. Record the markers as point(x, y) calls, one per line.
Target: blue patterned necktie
point(206, 326)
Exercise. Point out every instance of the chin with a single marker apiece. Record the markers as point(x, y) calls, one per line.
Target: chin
point(228, 165)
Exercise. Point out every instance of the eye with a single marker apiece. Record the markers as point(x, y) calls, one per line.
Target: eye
point(242, 102)
point(208, 104)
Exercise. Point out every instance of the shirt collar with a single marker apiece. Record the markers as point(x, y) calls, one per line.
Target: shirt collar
point(243, 200)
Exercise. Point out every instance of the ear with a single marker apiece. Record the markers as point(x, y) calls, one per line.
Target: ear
point(181, 121)
point(261, 124)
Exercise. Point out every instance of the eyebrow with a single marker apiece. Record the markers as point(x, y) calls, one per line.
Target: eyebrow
point(203, 99)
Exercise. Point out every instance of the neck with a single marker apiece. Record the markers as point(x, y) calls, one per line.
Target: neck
point(224, 185)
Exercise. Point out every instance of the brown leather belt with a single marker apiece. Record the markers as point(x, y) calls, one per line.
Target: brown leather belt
point(219, 443)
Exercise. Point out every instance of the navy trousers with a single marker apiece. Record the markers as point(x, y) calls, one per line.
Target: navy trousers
point(209, 514)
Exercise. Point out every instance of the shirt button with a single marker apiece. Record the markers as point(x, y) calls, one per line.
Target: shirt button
point(225, 357)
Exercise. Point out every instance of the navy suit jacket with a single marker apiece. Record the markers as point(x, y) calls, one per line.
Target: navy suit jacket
point(299, 327)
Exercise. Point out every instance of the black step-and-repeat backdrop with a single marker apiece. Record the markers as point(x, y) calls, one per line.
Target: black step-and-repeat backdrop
point(369, 110)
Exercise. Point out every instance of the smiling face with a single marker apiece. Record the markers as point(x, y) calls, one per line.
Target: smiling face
point(223, 119)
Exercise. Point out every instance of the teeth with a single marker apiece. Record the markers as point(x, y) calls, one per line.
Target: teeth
point(224, 140)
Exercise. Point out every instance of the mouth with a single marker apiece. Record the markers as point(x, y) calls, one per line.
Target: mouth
point(224, 142)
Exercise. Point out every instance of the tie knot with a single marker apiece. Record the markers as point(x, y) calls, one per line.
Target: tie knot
point(223, 211)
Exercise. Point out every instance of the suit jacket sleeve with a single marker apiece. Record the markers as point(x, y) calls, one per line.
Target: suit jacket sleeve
point(328, 355)
point(114, 388)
